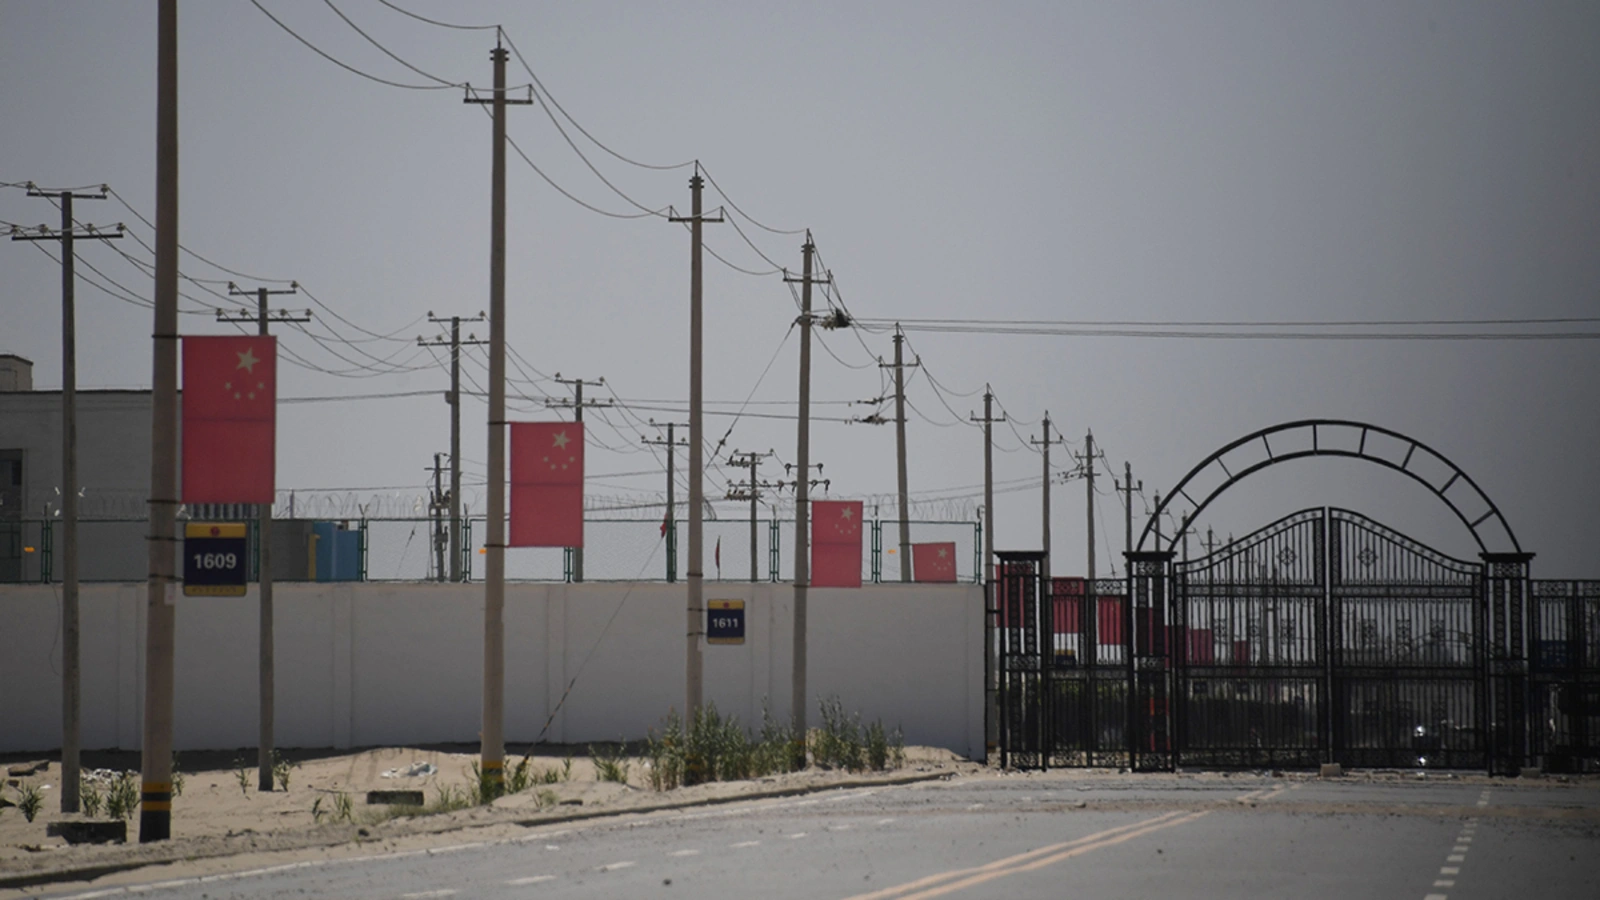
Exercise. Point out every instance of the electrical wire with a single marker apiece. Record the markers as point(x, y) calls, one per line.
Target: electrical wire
point(436, 21)
point(544, 92)
point(749, 218)
point(387, 52)
point(344, 65)
point(221, 268)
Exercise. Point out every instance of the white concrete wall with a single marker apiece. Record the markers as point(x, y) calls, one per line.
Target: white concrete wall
point(375, 664)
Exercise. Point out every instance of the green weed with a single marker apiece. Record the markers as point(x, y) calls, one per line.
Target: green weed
point(281, 769)
point(30, 801)
point(241, 774)
point(90, 797)
point(122, 798)
point(610, 764)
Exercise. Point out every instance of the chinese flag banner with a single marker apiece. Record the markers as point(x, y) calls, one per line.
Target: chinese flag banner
point(836, 543)
point(546, 484)
point(933, 562)
point(230, 392)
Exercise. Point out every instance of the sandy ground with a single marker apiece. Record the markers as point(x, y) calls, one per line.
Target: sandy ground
point(217, 824)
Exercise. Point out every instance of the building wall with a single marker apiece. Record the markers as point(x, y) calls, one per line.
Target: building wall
point(381, 664)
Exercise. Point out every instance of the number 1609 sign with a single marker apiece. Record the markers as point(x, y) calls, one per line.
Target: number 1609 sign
point(214, 559)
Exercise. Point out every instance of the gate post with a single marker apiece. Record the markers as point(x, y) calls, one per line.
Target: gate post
point(1505, 593)
point(1149, 659)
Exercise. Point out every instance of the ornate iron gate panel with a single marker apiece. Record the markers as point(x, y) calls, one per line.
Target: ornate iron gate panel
point(1252, 660)
point(1408, 665)
point(1087, 673)
point(1023, 704)
point(1564, 658)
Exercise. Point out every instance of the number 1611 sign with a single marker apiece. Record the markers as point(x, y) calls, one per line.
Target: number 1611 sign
point(214, 559)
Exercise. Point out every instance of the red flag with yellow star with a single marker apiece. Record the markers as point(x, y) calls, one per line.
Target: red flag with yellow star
point(934, 562)
point(546, 484)
point(836, 543)
point(230, 411)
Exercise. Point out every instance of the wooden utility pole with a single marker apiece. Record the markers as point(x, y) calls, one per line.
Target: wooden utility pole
point(991, 713)
point(669, 525)
point(266, 709)
point(1088, 478)
point(899, 366)
point(492, 745)
point(576, 405)
point(454, 399)
point(71, 679)
point(155, 760)
point(695, 607)
point(1044, 447)
point(751, 461)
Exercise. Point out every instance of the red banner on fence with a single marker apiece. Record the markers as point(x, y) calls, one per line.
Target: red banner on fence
point(836, 543)
point(933, 562)
point(546, 484)
point(230, 392)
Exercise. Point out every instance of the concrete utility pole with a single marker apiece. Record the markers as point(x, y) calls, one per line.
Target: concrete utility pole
point(1211, 541)
point(71, 681)
point(1044, 446)
point(802, 510)
point(576, 405)
point(751, 461)
point(454, 399)
point(492, 749)
point(1127, 488)
point(436, 509)
point(670, 523)
point(900, 449)
point(266, 710)
point(1088, 478)
point(991, 714)
point(697, 448)
point(155, 760)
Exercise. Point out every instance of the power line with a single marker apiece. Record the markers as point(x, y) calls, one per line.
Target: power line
point(344, 65)
point(387, 52)
point(1043, 330)
point(436, 21)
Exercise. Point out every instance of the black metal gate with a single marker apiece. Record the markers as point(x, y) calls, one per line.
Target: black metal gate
point(1323, 637)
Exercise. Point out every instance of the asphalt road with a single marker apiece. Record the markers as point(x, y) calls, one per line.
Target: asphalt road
point(1038, 835)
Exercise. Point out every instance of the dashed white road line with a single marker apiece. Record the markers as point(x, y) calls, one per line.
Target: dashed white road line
point(531, 879)
point(612, 867)
point(796, 836)
point(885, 821)
point(685, 853)
point(746, 844)
point(426, 895)
point(1449, 870)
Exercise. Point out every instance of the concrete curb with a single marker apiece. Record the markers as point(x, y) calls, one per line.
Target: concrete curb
point(89, 872)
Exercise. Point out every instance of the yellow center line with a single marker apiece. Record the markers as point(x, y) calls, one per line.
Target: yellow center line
point(999, 867)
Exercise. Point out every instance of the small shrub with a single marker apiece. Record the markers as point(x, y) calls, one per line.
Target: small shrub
point(521, 777)
point(122, 797)
point(90, 797)
point(317, 812)
point(281, 768)
point(838, 744)
point(666, 753)
point(344, 807)
point(177, 778)
point(610, 764)
point(566, 769)
point(241, 774)
point(774, 751)
point(548, 798)
point(30, 801)
point(885, 749)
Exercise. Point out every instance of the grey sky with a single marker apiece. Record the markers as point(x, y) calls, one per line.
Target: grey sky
point(1218, 161)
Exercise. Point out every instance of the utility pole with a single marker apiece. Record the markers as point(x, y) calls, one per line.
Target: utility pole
point(991, 716)
point(454, 399)
point(751, 461)
point(436, 509)
point(1211, 541)
point(71, 679)
point(697, 448)
point(1127, 488)
point(900, 448)
point(492, 745)
point(155, 760)
point(1044, 445)
point(576, 405)
point(670, 523)
point(1087, 461)
point(267, 708)
point(802, 510)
